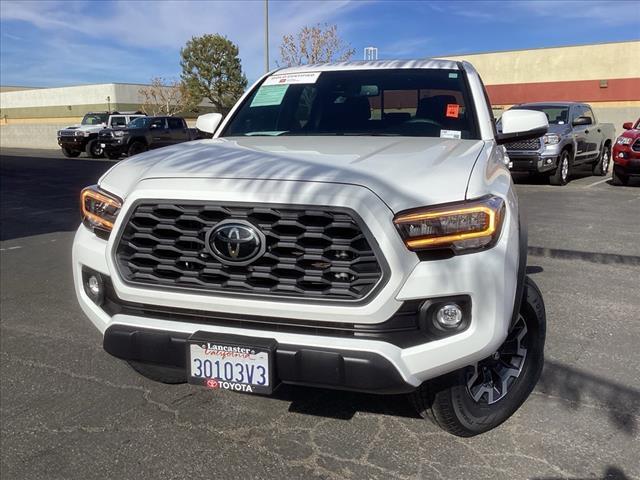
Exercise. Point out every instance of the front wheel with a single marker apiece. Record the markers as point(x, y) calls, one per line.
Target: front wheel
point(480, 397)
point(135, 148)
point(70, 153)
point(619, 178)
point(94, 150)
point(561, 175)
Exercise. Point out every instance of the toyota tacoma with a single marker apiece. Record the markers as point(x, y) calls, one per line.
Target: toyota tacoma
point(349, 226)
point(145, 133)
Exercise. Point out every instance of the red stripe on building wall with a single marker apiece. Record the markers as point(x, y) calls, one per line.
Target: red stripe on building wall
point(617, 90)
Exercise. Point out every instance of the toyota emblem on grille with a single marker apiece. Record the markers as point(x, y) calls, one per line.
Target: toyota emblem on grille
point(235, 242)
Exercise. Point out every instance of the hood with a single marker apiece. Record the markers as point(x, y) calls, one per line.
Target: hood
point(559, 129)
point(85, 128)
point(631, 133)
point(403, 171)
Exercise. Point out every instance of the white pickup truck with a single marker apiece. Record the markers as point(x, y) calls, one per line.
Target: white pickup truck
point(349, 226)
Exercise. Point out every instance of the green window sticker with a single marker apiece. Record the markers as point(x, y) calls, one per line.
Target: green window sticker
point(269, 95)
point(453, 75)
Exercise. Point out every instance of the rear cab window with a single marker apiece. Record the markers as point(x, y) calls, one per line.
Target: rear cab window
point(395, 102)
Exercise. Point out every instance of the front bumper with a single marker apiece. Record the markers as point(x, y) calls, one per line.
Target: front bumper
point(114, 145)
point(488, 278)
point(73, 143)
point(532, 162)
point(626, 160)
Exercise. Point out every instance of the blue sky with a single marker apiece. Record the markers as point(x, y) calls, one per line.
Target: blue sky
point(54, 43)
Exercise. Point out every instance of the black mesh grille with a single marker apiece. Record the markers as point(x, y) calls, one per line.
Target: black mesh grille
point(310, 253)
point(524, 145)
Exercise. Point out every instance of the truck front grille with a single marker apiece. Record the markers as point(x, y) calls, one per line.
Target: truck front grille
point(319, 253)
point(67, 133)
point(524, 145)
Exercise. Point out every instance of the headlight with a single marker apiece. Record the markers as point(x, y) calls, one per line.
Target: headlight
point(99, 209)
point(461, 227)
point(119, 133)
point(551, 139)
point(624, 140)
point(80, 133)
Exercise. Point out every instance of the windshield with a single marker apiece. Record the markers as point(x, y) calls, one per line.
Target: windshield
point(95, 118)
point(557, 115)
point(140, 122)
point(407, 102)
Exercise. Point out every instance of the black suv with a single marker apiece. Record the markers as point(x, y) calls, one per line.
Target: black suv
point(143, 134)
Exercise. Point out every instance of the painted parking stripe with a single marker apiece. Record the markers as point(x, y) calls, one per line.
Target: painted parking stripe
point(597, 183)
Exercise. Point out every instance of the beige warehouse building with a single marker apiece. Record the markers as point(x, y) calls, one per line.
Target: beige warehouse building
point(607, 76)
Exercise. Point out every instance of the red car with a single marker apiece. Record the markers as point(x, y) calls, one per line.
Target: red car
point(626, 154)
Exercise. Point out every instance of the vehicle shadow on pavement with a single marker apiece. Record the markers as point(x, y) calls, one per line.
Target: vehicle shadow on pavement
point(579, 388)
point(576, 388)
point(342, 405)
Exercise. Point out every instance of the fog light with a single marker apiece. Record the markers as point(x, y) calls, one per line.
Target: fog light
point(94, 286)
point(548, 161)
point(449, 315)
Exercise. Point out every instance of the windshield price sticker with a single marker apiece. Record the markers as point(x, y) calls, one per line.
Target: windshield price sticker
point(457, 134)
point(269, 95)
point(453, 110)
point(292, 78)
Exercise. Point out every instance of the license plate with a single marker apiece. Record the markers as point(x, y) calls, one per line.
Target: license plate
point(102, 145)
point(229, 362)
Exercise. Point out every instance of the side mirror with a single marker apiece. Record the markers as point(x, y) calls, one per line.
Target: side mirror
point(208, 122)
point(627, 125)
point(578, 121)
point(522, 125)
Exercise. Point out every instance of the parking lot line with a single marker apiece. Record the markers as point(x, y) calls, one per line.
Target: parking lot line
point(606, 179)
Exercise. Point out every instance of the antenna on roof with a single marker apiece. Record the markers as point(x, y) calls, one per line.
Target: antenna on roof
point(371, 53)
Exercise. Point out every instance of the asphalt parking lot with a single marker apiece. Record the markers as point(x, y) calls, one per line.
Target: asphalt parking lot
point(69, 410)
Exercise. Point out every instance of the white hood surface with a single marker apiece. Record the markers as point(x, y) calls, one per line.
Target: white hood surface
point(404, 172)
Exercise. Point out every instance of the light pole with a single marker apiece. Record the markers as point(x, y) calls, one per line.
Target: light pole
point(266, 36)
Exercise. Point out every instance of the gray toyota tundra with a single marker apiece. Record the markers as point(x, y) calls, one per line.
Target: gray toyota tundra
point(574, 138)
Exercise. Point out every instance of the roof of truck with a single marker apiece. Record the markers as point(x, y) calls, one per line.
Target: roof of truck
point(371, 65)
point(552, 104)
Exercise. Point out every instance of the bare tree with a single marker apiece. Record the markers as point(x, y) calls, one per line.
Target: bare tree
point(165, 98)
point(316, 44)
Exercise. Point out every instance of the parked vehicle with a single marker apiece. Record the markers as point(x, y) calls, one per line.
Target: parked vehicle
point(626, 154)
point(144, 134)
point(574, 138)
point(83, 138)
point(350, 226)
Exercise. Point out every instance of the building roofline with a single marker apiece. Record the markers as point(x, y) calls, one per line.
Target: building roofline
point(534, 48)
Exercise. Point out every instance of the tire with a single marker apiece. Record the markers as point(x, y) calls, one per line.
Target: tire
point(70, 153)
point(619, 178)
point(136, 148)
point(561, 175)
point(448, 401)
point(160, 373)
point(94, 150)
point(601, 167)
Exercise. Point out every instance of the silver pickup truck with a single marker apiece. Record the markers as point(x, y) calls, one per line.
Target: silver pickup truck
point(574, 138)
